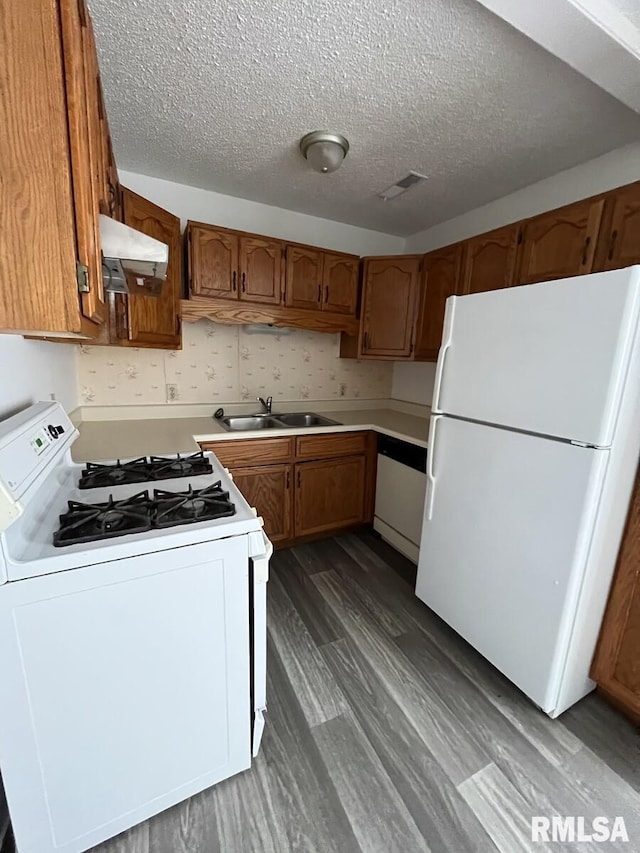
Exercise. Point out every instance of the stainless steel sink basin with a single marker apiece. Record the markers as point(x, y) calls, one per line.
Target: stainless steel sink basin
point(249, 422)
point(241, 423)
point(304, 419)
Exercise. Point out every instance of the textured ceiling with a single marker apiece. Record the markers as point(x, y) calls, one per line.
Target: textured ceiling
point(630, 8)
point(217, 94)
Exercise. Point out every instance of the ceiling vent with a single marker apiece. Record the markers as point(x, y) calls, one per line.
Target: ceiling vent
point(402, 186)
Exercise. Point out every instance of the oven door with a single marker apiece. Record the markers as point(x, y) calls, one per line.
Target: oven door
point(125, 689)
point(260, 549)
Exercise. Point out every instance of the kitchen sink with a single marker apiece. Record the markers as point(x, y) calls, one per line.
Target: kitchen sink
point(304, 419)
point(242, 423)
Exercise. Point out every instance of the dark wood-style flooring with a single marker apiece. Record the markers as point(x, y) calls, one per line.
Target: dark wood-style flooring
point(387, 733)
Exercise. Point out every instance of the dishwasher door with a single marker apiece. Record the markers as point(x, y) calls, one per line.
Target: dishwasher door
point(400, 490)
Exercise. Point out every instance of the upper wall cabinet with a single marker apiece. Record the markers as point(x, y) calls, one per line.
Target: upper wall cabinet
point(152, 321)
point(340, 283)
point(260, 270)
point(229, 265)
point(213, 262)
point(241, 278)
point(389, 292)
point(51, 139)
point(319, 280)
point(620, 239)
point(303, 277)
point(490, 260)
point(561, 243)
point(440, 280)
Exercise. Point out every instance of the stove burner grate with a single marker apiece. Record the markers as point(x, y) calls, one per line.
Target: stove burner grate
point(88, 522)
point(143, 470)
point(85, 522)
point(193, 505)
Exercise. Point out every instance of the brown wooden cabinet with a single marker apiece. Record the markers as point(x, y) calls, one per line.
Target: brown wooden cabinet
point(152, 321)
point(49, 138)
point(560, 243)
point(269, 489)
point(303, 278)
point(490, 260)
point(330, 494)
point(619, 244)
point(232, 265)
point(213, 262)
point(440, 279)
point(318, 280)
point(306, 486)
point(616, 666)
point(260, 270)
point(389, 291)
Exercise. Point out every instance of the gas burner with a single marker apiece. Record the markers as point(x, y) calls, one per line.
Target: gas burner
point(166, 468)
point(143, 470)
point(193, 505)
point(115, 473)
point(88, 522)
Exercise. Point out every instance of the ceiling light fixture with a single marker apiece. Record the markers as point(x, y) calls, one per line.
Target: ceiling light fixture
point(324, 151)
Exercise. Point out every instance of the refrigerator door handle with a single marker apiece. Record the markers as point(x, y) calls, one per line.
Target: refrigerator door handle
point(447, 334)
point(431, 479)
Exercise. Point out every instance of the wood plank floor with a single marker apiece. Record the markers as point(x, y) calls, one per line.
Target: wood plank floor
point(386, 732)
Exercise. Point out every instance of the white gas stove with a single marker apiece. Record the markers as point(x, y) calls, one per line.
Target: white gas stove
point(132, 633)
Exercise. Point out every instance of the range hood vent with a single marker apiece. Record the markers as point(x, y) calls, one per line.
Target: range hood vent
point(402, 186)
point(132, 262)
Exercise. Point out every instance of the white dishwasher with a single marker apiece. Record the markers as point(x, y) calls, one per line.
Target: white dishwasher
point(400, 489)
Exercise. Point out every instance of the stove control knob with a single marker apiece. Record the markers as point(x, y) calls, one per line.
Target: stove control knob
point(55, 431)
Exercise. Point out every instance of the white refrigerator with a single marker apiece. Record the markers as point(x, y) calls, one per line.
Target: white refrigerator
point(533, 447)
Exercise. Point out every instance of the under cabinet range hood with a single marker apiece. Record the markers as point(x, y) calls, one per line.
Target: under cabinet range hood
point(132, 262)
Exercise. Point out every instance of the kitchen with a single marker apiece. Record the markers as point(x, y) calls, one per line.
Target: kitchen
point(383, 729)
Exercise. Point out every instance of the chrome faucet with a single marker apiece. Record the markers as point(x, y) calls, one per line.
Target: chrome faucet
point(266, 404)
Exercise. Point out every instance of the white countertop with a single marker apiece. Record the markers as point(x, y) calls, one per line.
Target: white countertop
point(139, 436)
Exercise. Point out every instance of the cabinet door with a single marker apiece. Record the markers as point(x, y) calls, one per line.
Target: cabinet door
point(155, 320)
point(616, 666)
point(388, 306)
point(623, 237)
point(340, 284)
point(81, 84)
point(303, 278)
point(560, 243)
point(260, 268)
point(269, 489)
point(330, 494)
point(440, 280)
point(490, 260)
point(213, 262)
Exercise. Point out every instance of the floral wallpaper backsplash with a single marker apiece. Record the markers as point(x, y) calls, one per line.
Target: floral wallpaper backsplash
point(224, 364)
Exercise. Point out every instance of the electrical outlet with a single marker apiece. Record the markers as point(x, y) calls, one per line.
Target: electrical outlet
point(172, 393)
point(343, 389)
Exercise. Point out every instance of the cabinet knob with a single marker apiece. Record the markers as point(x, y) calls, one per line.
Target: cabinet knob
point(233, 282)
point(244, 282)
point(612, 245)
point(585, 251)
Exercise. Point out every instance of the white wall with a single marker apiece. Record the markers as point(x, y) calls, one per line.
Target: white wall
point(614, 169)
point(227, 211)
point(413, 382)
point(33, 371)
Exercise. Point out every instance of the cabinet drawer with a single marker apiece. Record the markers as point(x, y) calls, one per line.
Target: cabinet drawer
point(335, 444)
point(252, 451)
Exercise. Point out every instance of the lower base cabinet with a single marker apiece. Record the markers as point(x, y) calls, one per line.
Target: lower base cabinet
point(268, 488)
point(616, 666)
point(330, 494)
point(304, 487)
